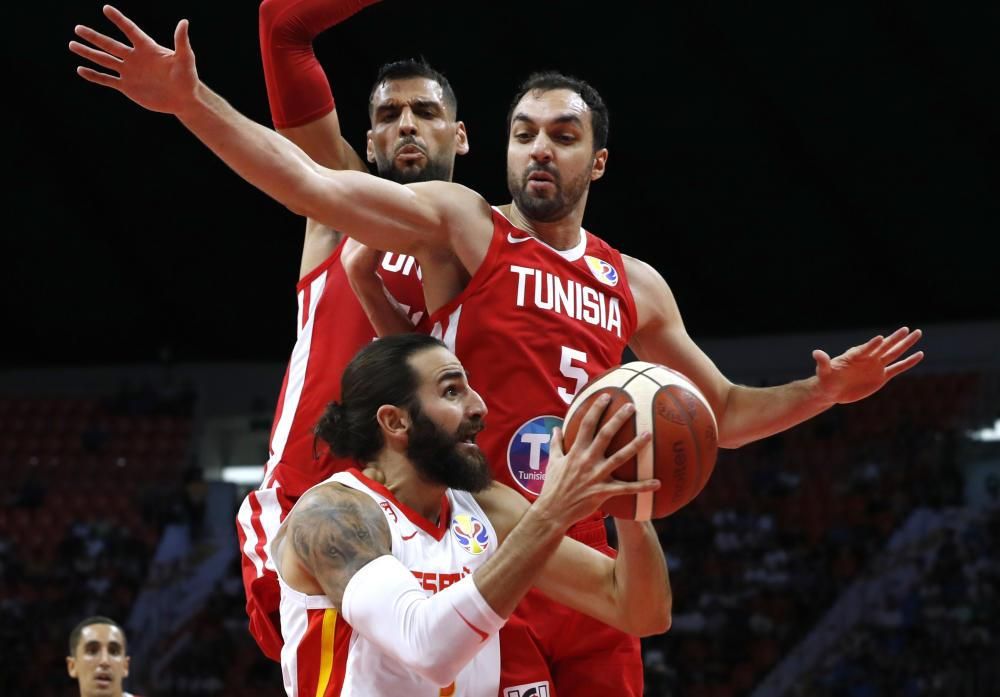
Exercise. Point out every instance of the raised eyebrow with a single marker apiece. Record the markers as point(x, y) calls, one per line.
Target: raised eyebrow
point(452, 375)
point(568, 118)
point(562, 119)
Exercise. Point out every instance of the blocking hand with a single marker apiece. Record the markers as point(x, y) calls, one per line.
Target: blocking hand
point(863, 370)
point(152, 76)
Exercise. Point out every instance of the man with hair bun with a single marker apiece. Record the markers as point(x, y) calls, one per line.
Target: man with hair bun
point(401, 588)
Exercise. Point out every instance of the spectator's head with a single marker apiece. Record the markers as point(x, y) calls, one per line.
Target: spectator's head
point(97, 657)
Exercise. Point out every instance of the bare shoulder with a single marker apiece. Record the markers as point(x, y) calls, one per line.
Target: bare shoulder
point(503, 506)
point(654, 300)
point(334, 531)
point(640, 273)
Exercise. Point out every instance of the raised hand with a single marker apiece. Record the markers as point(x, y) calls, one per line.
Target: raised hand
point(863, 370)
point(150, 75)
point(578, 482)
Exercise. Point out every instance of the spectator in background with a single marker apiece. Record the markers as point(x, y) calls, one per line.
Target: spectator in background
point(97, 657)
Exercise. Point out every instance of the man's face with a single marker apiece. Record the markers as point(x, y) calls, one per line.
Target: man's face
point(550, 155)
point(414, 138)
point(444, 422)
point(100, 663)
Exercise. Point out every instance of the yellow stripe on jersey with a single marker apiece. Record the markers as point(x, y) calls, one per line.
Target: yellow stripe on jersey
point(326, 651)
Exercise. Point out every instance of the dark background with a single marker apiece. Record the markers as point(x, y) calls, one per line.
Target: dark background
point(785, 168)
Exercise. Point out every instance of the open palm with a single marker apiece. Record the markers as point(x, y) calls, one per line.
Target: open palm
point(151, 75)
point(862, 370)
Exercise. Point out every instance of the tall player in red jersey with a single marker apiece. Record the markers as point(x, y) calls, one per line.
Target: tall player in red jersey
point(527, 273)
point(415, 136)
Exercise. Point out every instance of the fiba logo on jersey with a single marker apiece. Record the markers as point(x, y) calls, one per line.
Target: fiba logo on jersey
point(528, 452)
point(470, 533)
point(602, 270)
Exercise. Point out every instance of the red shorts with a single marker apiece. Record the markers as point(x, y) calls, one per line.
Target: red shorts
point(547, 649)
point(256, 524)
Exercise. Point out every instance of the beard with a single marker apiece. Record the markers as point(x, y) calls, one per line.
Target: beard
point(546, 210)
point(433, 170)
point(439, 458)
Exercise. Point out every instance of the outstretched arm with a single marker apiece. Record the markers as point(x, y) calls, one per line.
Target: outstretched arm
point(299, 95)
point(383, 214)
point(746, 414)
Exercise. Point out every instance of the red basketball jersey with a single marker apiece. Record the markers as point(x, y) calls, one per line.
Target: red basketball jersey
point(533, 326)
point(332, 327)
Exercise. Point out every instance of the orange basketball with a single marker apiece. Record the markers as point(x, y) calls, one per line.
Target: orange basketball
point(682, 451)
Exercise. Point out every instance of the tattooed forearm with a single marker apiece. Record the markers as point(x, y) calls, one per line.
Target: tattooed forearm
point(335, 531)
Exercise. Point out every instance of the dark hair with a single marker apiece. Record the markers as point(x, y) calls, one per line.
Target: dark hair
point(379, 374)
point(410, 68)
point(74, 636)
point(552, 80)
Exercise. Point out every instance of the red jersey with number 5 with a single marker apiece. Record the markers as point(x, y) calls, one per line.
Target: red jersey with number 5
point(531, 328)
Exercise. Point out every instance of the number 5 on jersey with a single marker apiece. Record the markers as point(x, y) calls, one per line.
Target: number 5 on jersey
point(573, 372)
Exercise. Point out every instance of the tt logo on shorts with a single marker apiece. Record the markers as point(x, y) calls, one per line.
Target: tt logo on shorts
point(534, 689)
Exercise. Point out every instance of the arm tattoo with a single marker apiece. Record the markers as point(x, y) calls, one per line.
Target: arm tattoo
point(335, 531)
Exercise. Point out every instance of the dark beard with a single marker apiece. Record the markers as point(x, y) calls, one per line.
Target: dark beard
point(546, 210)
point(434, 170)
point(438, 460)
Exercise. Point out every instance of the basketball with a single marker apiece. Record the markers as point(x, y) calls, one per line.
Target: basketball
point(685, 436)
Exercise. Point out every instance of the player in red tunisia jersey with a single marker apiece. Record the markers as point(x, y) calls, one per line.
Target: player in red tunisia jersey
point(415, 136)
point(556, 148)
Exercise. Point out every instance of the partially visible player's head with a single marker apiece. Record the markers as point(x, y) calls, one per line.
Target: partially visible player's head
point(408, 392)
point(557, 137)
point(415, 132)
point(98, 657)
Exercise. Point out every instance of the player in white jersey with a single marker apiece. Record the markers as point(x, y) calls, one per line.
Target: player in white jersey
point(401, 588)
point(98, 659)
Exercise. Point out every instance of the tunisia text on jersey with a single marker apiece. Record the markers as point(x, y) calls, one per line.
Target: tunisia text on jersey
point(533, 326)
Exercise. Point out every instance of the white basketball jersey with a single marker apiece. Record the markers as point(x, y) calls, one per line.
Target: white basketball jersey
point(318, 640)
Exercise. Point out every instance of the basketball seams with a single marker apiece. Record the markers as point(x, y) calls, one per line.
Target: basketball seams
point(674, 378)
point(604, 381)
point(625, 382)
point(644, 392)
point(694, 439)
